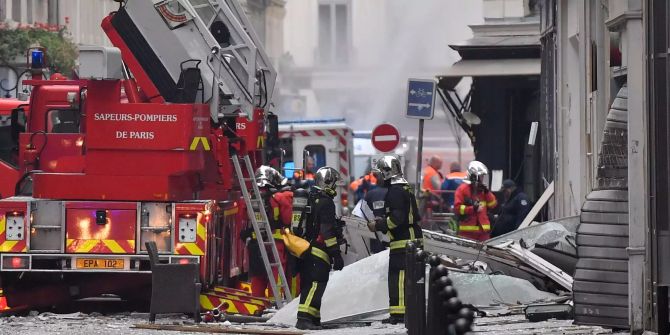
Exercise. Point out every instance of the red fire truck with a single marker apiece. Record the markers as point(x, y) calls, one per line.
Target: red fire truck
point(138, 148)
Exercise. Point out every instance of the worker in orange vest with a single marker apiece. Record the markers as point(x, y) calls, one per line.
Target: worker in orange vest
point(432, 177)
point(362, 185)
point(455, 178)
point(430, 199)
point(472, 201)
point(305, 178)
point(278, 201)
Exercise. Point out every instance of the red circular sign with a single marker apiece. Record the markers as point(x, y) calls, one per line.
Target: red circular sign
point(385, 137)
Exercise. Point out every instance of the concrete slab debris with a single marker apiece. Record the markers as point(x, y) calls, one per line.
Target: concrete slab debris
point(359, 289)
point(484, 290)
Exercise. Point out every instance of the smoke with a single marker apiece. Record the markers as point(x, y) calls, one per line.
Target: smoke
point(392, 40)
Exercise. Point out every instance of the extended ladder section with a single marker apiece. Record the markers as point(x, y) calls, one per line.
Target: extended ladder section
point(236, 72)
point(262, 229)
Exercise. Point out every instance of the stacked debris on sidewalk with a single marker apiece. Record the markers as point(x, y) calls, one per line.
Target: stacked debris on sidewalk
point(501, 277)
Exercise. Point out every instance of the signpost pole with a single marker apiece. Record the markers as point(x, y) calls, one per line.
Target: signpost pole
point(420, 105)
point(419, 159)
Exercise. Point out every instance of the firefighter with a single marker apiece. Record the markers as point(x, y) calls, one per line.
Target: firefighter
point(374, 198)
point(321, 230)
point(472, 202)
point(278, 202)
point(401, 223)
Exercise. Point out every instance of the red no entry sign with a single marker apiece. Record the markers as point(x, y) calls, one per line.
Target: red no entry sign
point(385, 137)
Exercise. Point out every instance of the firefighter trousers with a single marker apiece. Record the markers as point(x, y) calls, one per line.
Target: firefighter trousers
point(396, 283)
point(259, 278)
point(314, 269)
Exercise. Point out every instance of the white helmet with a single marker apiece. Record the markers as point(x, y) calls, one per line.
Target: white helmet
point(389, 167)
point(268, 176)
point(477, 173)
point(326, 178)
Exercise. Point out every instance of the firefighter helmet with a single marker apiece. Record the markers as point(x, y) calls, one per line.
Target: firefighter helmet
point(477, 173)
point(268, 176)
point(325, 178)
point(389, 167)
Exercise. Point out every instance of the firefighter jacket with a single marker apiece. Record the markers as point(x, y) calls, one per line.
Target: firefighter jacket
point(320, 229)
point(279, 208)
point(402, 216)
point(473, 224)
point(375, 199)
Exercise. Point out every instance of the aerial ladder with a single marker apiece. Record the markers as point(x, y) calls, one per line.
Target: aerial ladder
point(159, 36)
point(235, 78)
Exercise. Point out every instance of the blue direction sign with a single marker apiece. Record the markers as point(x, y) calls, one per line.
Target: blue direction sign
point(420, 99)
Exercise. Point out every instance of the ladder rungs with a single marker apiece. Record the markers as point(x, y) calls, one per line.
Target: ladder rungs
point(253, 198)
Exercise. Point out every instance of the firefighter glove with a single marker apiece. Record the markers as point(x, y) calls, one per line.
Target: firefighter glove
point(338, 262)
point(380, 225)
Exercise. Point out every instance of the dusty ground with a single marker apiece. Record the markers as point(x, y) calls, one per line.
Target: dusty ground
point(122, 323)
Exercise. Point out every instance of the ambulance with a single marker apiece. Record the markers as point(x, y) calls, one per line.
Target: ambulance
point(320, 143)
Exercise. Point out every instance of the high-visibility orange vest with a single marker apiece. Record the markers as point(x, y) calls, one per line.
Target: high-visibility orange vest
point(370, 178)
point(428, 173)
point(300, 174)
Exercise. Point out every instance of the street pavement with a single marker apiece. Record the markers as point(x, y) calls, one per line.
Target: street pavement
point(121, 323)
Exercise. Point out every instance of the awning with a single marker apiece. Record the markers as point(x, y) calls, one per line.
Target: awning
point(494, 68)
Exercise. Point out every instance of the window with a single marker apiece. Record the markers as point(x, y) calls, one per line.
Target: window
point(3, 10)
point(29, 11)
point(16, 10)
point(63, 121)
point(317, 157)
point(286, 145)
point(334, 32)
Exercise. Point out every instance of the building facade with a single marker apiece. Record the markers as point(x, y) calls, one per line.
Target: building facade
point(596, 87)
point(352, 59)
point(503, 61)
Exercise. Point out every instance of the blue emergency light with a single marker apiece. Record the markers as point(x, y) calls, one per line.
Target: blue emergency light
point(37, 59)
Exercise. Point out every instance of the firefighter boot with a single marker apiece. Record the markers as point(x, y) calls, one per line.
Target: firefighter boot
point(395, 319)
point(307, 324)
